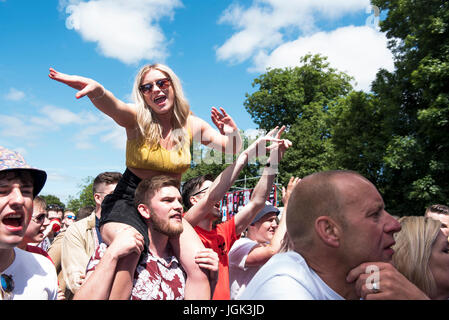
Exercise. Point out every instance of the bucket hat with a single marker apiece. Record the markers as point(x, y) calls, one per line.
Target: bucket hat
point(13, 161)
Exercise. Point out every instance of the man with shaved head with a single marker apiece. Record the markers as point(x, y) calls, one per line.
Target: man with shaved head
point(342, 237)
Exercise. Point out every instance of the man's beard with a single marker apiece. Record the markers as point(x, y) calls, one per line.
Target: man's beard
point(166, 228)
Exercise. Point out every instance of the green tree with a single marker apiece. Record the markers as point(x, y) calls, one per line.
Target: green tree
point(415, 100)
point(358, 137)
point(51, 199)
point(85, 196)
point(302, 99)
point(284, 94)
point(208, 161)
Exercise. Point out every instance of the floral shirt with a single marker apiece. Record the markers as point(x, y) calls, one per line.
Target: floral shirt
point(154, 279)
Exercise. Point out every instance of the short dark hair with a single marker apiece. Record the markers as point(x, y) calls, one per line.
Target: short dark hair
point(106, 178)
point(190, 186)
point(23, 175)
point(147, 187)
point(84, 212)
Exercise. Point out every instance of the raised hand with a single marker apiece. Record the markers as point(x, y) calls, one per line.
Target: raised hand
point(128, 240)
point(223, 121)
point(207, 259)
point(85, 86)
point(278, 148)
point(287, 191)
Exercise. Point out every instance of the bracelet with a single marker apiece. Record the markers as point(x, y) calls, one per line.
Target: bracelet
point(99, 97)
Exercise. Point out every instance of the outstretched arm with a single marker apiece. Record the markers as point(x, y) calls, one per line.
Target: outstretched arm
point(263, 187)
point(227, 139)
point(122, 113)
point(262, 253)
point(225, 179)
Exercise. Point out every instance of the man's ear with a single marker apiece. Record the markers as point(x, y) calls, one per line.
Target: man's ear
point(328, 231)
point(193, 200)
point(97, 198)
point(144, 211)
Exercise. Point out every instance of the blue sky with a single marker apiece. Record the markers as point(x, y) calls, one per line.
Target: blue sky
point(217, 48)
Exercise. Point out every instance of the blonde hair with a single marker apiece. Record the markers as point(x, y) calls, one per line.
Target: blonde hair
point(413, 249)
point(149, 127)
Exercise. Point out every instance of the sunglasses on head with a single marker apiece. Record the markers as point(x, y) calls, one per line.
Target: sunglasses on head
point(53, 207)
point(6, 286)
point(161, 84)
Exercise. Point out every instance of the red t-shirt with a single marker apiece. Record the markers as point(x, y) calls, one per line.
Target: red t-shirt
point(220, 239)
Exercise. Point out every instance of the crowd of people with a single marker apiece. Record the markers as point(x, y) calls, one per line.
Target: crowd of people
point(150, 237)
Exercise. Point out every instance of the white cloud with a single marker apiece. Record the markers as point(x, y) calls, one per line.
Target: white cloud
point(12, 126)
point(14, 95)
point(125, 30)
point(358, 51)
point(264, 25)
point(86, 132)
point(60, 116)
point(276, 33)
point(116, 137)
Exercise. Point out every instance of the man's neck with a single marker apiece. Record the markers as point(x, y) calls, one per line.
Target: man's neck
point(7, 257)
point(98, 212)
point(158, 244)
point(205, 224)
point(333, 273)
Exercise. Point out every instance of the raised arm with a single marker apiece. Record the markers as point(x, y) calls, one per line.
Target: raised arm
point(122, 113)
point(227, 139)
point(262, 253)
point(263, 187)
point(225, 179)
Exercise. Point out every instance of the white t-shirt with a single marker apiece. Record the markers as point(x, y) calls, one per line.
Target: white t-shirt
point(34, 277)
point(239, 275)
point(286, 276)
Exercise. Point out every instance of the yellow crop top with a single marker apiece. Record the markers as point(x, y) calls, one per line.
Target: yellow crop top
point(140, 156)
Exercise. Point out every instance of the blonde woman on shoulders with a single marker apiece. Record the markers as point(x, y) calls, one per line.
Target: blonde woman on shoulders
point(160, 129)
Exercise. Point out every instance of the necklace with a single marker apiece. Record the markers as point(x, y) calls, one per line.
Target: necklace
point(7, 286)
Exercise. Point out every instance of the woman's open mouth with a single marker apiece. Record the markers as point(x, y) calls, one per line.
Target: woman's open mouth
point(160, 100)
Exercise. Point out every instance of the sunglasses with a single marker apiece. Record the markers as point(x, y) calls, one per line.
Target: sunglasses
point(39, 218)
point(201, 191)
point(6, 287)
point(71, 217)
point(161, 84)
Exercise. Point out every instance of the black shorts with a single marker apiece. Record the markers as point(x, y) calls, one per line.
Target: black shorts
point(119, 206)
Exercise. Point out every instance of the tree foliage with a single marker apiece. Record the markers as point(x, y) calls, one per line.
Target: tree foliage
point(85, 196)
point(396, 135)
point(51, 199)
point(416, 99)
point(284, 94)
